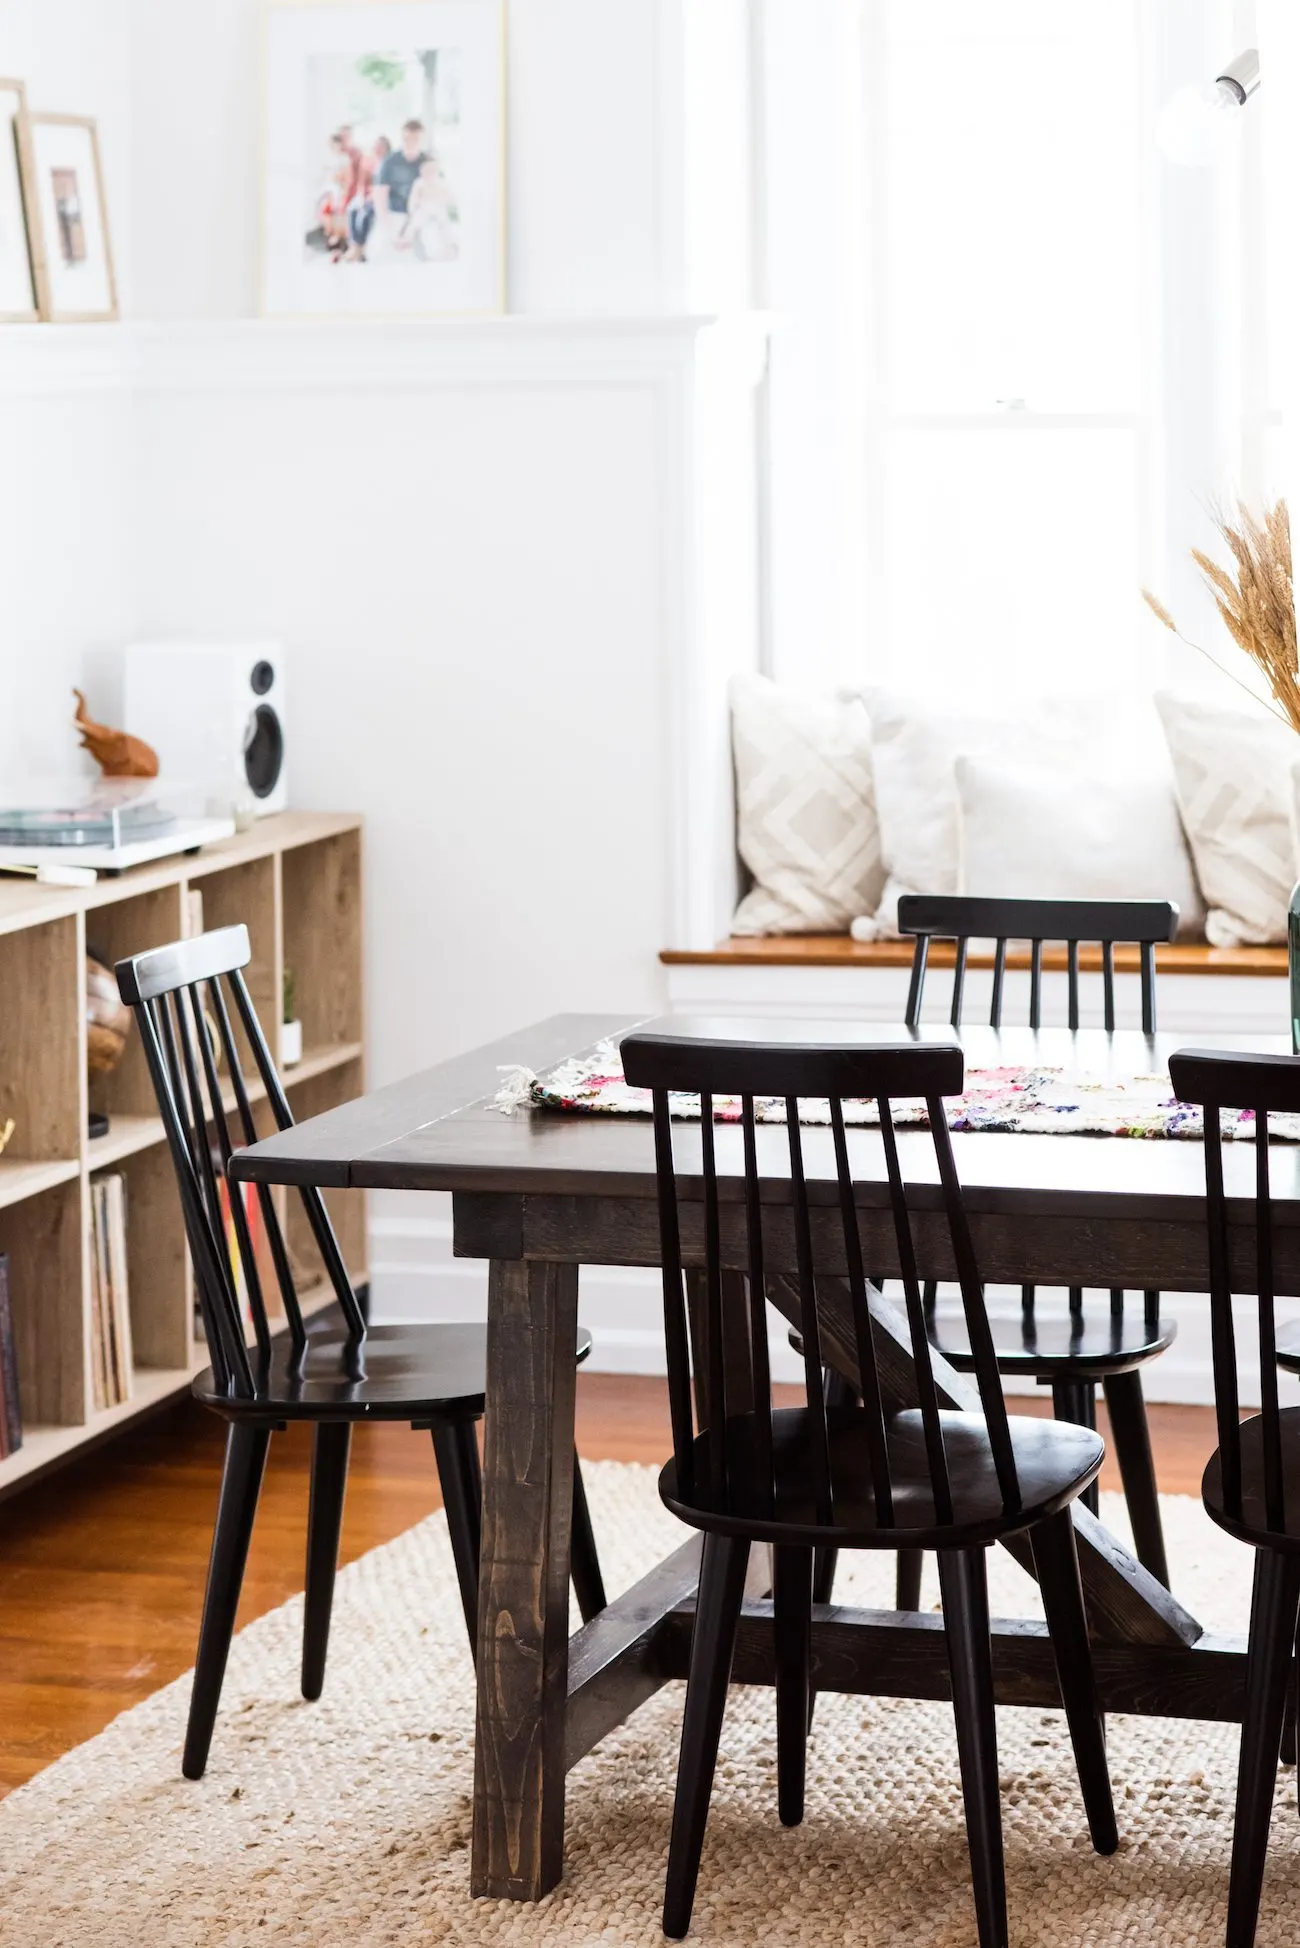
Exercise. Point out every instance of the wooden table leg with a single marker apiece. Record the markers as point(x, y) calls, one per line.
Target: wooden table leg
point(523, 1625)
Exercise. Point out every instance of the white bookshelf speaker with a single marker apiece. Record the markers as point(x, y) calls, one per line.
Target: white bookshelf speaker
point(214, 713)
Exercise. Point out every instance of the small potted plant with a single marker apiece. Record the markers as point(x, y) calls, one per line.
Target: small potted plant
point(290, 1026)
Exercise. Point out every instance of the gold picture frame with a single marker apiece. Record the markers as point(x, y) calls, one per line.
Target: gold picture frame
point(65, 241)
point(25, 169)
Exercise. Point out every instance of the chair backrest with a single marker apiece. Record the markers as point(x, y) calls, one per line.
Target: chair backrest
point(732, 1311)
point(1103, 923)
point(1264, 1084)
point(178, 994)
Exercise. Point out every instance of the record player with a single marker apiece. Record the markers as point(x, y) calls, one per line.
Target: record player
point(108, 824)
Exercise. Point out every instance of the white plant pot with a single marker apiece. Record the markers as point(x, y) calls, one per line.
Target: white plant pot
point(290, 1043)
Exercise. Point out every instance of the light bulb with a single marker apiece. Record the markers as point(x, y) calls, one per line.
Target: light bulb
point(1197, 124)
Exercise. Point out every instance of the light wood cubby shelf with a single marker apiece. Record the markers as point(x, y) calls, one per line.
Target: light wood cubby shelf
point(295, 881)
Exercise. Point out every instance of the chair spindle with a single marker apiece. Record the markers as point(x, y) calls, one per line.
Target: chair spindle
point(999, 976)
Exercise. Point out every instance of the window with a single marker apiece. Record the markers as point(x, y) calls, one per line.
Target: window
point(1067, 337)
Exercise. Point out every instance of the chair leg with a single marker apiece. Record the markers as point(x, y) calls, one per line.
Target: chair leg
point(1292, 1713)
point(792, 1571)
point(825, 1563)
point(329, 1480)
point(584, 1564)
point(908, 1594)
point(1132, 1437)
point(839, 1392)
point(455, 1447)
point(964, 1586)
point(717, 1613)
point(1076, 1401)
point(1273, 1613)
point(241, 1484)
point(1056, 1563)
point(1288, 1755)
point(1065, 1400)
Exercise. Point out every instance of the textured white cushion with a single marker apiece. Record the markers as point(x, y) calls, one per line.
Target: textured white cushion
point(1232, 770)
point(1089, 737)
point(1075, 831)
point(916, 748)
point(806, 823)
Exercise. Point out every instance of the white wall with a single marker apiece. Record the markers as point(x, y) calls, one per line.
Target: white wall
point(467, 582)
point(65, 487)
point(484, 572)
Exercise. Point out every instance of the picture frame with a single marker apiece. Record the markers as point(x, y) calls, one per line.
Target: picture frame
point(21, 268)
point(384, 158)
point(69, 220)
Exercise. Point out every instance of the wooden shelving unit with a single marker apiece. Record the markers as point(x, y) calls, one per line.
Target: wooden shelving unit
point(295, 881)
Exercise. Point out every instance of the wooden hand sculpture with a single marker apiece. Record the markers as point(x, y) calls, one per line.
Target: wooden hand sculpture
point(118, 754)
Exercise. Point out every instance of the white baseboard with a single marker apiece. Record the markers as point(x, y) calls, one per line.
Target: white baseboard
point(414, 1276)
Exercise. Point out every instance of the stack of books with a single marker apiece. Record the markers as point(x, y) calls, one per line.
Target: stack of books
point(110, 1322)
point(11, 1420)
point(259, 1242)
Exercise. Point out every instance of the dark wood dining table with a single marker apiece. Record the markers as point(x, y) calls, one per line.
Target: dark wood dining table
point(540, 1193)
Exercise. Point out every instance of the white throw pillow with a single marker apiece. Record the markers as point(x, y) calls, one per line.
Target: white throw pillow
point(1076, 832)
point(916, 748)
point(1232, 769)
point(806, 823)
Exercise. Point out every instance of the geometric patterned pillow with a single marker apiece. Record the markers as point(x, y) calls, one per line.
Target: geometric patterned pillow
point(1232, 775)
point(806, 824)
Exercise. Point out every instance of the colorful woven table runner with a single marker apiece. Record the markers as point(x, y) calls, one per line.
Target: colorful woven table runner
point(1041, 1100)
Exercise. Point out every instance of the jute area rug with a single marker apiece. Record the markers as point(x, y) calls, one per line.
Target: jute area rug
point(348, 1821)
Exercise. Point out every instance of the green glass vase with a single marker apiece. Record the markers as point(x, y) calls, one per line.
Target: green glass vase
point(1293, 964)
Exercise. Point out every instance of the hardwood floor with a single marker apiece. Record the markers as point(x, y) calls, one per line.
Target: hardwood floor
point(102, 1566)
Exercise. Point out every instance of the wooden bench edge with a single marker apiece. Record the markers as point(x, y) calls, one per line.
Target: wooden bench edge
point(841, 950)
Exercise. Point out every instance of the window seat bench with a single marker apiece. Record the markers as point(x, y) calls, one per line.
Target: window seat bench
point(1236, 990)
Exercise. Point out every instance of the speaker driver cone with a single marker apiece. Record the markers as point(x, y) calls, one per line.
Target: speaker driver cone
point(263, 751)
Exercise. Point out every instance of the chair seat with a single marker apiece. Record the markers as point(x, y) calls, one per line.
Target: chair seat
point(1052, 1344)
point(1055, 1460)
point(408, 1373)
point(1252, 1525)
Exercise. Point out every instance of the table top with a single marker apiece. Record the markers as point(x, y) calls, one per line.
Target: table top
point(440, 1130)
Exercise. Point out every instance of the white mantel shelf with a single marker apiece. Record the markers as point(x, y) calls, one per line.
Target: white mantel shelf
point(350, 354)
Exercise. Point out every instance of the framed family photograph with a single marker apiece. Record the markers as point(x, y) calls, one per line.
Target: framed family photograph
point(20, 287)
point(384, 187)
point(69, 220)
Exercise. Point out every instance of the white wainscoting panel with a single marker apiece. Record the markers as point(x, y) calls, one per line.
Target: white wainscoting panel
point(1197, 1005)
point(413, 1275)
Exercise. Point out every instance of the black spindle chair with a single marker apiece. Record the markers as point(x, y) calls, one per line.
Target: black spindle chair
point(1073, 1349)
point(1251, 1486)
point(849, 1476)
point(429, 1376)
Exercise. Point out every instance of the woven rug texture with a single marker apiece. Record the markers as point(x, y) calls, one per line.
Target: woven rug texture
point(348, 1821)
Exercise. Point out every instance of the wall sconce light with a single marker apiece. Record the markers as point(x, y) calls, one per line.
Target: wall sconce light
point(1198, 123)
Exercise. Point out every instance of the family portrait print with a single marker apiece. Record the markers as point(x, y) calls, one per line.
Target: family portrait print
point(387, 157)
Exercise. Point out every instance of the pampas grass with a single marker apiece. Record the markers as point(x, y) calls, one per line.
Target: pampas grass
point(1257, 606)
